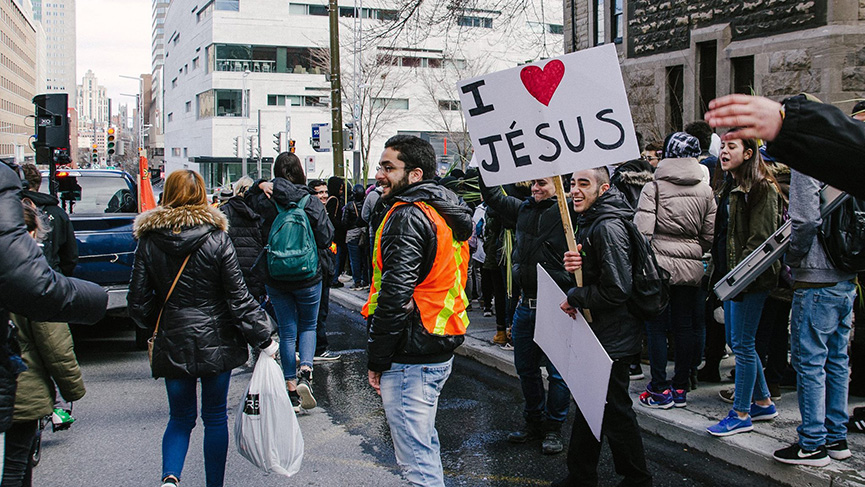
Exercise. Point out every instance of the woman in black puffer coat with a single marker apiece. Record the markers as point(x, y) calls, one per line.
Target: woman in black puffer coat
point(206, 323)
point(244, 229)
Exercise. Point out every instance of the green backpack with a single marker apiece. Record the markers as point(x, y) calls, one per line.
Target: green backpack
point(291, 251)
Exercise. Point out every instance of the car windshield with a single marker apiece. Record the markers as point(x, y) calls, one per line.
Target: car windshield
point(94, 193)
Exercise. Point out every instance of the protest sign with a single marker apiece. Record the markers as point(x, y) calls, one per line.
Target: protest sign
point(549, 118)
point(574, 350)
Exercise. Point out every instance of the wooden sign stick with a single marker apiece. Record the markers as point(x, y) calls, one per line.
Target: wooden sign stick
point(569, 233)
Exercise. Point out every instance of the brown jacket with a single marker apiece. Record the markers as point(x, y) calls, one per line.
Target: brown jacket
point(681, 227)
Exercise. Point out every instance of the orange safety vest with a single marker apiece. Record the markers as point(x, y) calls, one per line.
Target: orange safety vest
point(440, 297)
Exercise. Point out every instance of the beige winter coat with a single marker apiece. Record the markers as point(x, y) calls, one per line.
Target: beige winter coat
point(681, 228)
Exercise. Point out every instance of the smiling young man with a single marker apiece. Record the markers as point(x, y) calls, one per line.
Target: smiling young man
point(604, 257)
point(540, 239)
point(417, 301)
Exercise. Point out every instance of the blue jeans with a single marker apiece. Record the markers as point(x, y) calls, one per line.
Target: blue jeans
point(357, 260)
point(182, 409)
point(410, 395)
point(528, 360)
point(820, 330)
point(679, 318)
point(742, 319)
point(297, 317)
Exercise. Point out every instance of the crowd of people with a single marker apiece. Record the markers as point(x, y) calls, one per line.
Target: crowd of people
point(425, 246)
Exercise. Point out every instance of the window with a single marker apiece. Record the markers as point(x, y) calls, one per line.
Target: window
point(675, 94)
point(557, 29)
point(175, 151)
point(707, 52)
point(297, 9)
point(616, 21)
point(174, 83)
point(598, 22)
point(171, 117)
point(470, 21)
point(319, 10)
point(188, 106)
point(279, 100)
point(743, 75)
point(185, 152)
point(388, 15)
point(229, 5)
point(223, 103)
point(265, 59)
point(204, 13)
point(390, 103)
point(195, 63)
point(449, 104)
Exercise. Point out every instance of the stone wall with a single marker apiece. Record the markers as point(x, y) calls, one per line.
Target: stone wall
point(853, 72)
point(861, 9)
point(790, 72)
point(656, 27)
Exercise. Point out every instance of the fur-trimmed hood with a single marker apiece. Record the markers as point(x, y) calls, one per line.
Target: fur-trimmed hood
point(179, 230)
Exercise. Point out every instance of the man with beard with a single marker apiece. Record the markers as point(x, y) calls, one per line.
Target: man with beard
point(417, 301)
point(603, 253)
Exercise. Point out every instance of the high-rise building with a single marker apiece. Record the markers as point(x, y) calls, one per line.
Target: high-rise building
point(152, 92)
point(19, 72)
point(239, 77)
point(92, 100)
point(57, 18)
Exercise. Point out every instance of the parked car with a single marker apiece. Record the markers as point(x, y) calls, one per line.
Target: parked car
point(102, 205)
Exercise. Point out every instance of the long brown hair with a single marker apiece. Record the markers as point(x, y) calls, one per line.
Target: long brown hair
point(184, 187)
point(753, 175)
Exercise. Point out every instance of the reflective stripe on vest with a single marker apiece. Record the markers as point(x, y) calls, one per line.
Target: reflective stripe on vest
point(440, 298)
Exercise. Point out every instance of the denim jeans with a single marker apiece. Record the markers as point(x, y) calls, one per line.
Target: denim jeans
point(741, 319)
point(356, 259)
point(679, 318)
point(297, 317)
point(528, 360)
point(820, 330)
point(410, 395)
point(182, 409)
point(18, 469)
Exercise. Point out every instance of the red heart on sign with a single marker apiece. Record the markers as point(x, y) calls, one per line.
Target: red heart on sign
point(542, 83)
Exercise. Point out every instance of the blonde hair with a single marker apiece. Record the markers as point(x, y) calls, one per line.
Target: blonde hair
point(184, 187)
point(242, 185)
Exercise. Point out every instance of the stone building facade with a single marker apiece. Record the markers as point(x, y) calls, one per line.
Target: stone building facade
point(677, 56)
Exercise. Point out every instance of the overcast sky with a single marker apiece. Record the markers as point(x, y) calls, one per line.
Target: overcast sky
point(114, 39)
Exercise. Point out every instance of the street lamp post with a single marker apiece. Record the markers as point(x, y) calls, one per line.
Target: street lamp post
point(244, 113)
point(139, 103)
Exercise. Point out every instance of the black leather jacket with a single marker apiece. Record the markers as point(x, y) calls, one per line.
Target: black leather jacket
point(408, 248)
point(244, 229)
point(29, 287)
point(607, 276)
point(540, 238)
point(210, 316)
point(60, 246)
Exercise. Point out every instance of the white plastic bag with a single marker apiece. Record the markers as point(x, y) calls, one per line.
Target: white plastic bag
point(266, 429)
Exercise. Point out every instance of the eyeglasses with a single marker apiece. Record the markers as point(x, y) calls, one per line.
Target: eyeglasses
point(388, 169)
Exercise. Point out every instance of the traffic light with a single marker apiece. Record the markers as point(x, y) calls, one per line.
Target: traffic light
point(251, 146)
point(277, 142)
point(236, 148)
point(94, 157)
point(291, 145)
point(110, 141)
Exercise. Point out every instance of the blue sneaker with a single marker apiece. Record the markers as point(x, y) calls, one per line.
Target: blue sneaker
point(760, 413)
point(656, 400)
point(679, 397)
point(731, 425)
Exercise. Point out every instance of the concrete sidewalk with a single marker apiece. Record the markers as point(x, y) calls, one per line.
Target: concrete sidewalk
point(687, 426)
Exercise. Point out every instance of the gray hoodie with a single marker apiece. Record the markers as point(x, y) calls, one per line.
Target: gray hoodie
point(806, 257)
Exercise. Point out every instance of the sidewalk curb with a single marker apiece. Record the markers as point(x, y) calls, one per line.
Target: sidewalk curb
point(752, 451)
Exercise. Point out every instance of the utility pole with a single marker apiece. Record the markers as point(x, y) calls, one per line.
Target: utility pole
point(259, 176)
point(335, 92)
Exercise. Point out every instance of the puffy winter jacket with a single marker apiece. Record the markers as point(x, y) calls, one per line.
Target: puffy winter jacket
point(285, 192)
point(244, 229)
point(210, 316)
point(540, 238)
point(47, 351)
point(408, 248)
point(681, 228)
point(823, 142)
point(630, 177)
point(607, 276)
point(28, 286)
point(60, 246)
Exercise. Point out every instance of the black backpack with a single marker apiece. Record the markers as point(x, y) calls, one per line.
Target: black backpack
point(843, 236)
point(650, 292)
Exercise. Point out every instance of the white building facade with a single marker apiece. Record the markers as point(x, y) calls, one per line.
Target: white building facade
point(92, 100)
point(58, 20)
point(273, 58)
point(19, 78)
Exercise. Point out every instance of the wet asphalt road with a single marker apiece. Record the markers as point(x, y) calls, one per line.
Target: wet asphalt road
point(121, 420)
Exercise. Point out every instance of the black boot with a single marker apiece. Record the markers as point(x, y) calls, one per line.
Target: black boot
point(533, 430)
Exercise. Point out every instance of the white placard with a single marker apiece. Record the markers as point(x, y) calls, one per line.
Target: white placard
point(574, 350)
point(550, 118)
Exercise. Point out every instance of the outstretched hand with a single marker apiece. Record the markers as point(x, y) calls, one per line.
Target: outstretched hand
point(755, 116)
